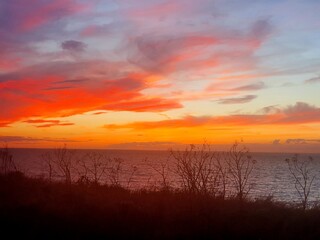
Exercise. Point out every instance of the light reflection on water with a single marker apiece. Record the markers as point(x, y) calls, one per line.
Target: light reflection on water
point(270, 176)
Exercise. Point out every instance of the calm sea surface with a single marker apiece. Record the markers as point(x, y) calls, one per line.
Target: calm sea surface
point(139, 169)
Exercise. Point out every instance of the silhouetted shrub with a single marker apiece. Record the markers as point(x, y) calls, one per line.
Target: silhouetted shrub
point(7, 164)
point(38, 209)
point(197, 170)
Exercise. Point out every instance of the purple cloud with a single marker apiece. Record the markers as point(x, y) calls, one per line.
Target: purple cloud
point(73, 46)
point(261, 28)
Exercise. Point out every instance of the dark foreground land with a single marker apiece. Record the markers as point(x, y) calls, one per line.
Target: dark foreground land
point(37, 209)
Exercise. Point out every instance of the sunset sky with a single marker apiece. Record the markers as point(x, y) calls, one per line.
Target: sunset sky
point(150, 74)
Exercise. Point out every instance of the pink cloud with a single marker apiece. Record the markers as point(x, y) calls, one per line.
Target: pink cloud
point(95, 30)
point(35, 13)
point(216, 50)
point(159, 10)
point(8, 63)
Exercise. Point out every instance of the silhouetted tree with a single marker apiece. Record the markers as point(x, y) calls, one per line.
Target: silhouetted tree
point(196, 169)
point(93, 166)
point(60, 160)
point(240, 165)
point(303, 176)
point(163, 170)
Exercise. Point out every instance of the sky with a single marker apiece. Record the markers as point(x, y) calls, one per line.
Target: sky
point(153, 74)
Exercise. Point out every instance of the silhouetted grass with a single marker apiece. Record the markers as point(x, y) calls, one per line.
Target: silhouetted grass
point(38, 209)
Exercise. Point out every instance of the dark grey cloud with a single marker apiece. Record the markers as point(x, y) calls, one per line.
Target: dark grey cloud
point(144, 145)
point(66, 84)
point(100, 112)
point(73, 46)
point(276, 142)
point(154, 53)
point(250, 87)
point(58, 88)
point(313, 80)
point(237, 100)
point(261, 28)
point(301, 141)
point(18, 139)
point(43, 123)
point(299, 113)
point(72, 81)
point(301, 107)
point(270, 109)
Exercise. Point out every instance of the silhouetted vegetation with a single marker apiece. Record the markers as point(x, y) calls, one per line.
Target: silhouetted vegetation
point(200, 208)
point(6, 161)
point(39, 209)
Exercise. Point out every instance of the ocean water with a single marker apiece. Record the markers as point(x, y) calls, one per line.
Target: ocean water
point(140, 169)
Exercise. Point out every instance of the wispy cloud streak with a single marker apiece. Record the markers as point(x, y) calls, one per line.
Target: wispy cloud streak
point(237, 100)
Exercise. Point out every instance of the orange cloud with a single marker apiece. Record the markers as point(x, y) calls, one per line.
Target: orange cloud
point(42, 123)
point(4, 124)
point(300, 113)
point(144, 105)
point(54, 125)
point(47, 91)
